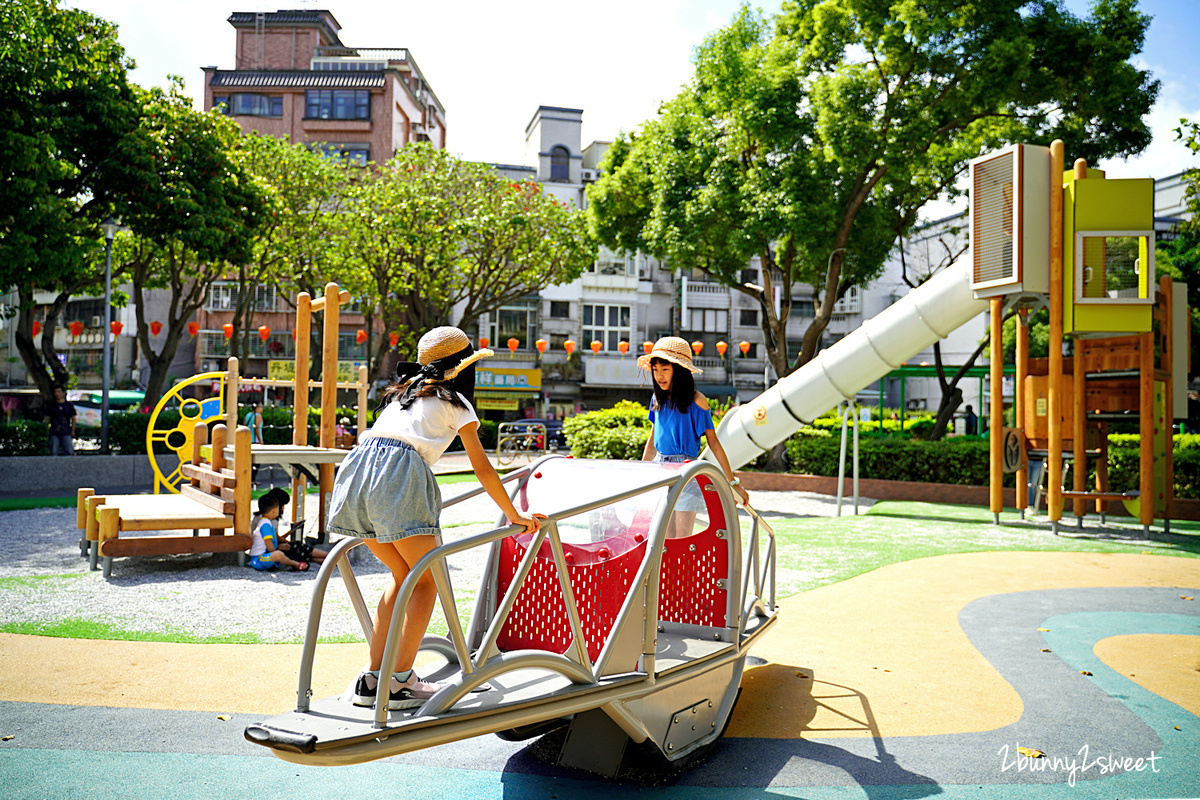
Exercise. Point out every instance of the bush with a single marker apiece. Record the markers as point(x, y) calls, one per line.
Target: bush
point(25, 438)
point(127, 431)
point(955, 461)
point(619, 432)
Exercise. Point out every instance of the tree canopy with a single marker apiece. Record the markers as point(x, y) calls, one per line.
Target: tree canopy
point(814, 140)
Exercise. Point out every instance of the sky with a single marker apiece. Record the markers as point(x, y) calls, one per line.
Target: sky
point(493, 62)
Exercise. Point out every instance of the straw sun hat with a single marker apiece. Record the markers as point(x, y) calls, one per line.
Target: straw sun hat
point(673, 349)
point(441, 343)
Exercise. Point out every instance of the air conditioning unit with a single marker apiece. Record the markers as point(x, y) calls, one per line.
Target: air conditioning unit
point(1010, 221)
point(590, 174)
point(96, 321)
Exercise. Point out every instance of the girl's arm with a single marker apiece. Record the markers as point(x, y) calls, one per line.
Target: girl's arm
point(486, 473)
point(648, 453)
point(718, 451)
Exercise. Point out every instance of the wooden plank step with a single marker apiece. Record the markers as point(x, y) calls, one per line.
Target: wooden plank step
point(149, 512)
point(1101, 495)
point(207, 476)
point(212, 501)
point(174, 545)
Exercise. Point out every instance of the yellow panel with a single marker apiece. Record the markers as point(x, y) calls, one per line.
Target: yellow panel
point(1110, 318)
point(1144, 245)
point(1115, 205)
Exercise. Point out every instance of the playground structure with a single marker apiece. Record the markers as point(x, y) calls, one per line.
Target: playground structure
point(597, 621)
point(1105, 300)
point(215, 496)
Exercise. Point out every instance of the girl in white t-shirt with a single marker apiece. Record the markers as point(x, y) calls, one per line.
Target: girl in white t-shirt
point(385, 493)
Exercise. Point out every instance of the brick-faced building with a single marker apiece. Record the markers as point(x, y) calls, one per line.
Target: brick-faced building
point(294, 77)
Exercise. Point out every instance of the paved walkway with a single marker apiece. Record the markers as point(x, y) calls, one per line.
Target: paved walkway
point(919, 679)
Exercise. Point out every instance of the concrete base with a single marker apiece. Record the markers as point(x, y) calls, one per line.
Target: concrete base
point(48, 475)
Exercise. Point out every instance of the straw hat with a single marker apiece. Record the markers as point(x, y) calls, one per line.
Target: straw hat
point(440, 343)
point(673, 349)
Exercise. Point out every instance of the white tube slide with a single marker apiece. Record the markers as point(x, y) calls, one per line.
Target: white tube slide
point(923, 316)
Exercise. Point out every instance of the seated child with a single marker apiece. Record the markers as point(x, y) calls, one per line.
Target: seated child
point(264, 553)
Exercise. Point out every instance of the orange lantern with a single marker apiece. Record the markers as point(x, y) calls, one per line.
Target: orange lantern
point(483, 342)
point(155, 328)
point(193, 328)
point(623, 346)
point(116, 327)
point(513, 344)
point(228, 328)
point(569, 346)
point(744, 346)
point(293, 334)
point(721, 348)
point(647, 347)
point(596, 345)
point(360, 336)
point(37, 328)
point(393, 337)
point(264, 332)
point(76, 328)
point(540, 344)
point(697, 346)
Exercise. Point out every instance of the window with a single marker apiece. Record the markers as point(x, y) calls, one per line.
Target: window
point(849, 304)
point(606, 324)
point(222, 297)
point(750, 276)
point(560, 309)
point(351, 152)
point(249, 105)
point(87, 312)
point(337, 104)
point(560, 164)
point(802, 306)
point(752, 352)
point(610, 263)
point(748, 317)
point(349, 349)
point(707, 320)
point(517, 320)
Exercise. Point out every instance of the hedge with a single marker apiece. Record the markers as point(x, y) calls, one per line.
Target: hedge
point(619, 432)
point(964, 460)
point(25, 437)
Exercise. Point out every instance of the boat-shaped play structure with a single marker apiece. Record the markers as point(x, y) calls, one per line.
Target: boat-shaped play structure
point(598, 621)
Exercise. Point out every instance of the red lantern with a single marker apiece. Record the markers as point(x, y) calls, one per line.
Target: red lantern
point(569, 346)
point(697, 346)
point(293, 334)
point(721, 348)
point(540, 344)
point(513, 344)
point(623, 346)
point(393, 337)
point(37, 328)
point(647, 347)
point(596, 345)
point(193, 328)
point(483, 342)
point(228, 328)
point(155, 328)
point(76, 328)
point(116, 327)
point(360, 336)
point(264, 332)
point(744, 346)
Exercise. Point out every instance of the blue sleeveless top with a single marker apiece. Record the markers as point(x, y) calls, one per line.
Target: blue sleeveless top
point(678, 433)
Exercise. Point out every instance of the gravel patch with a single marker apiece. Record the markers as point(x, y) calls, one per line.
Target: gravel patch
point(44, 580)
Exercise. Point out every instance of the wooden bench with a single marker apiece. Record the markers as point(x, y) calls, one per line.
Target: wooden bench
point(216, 499)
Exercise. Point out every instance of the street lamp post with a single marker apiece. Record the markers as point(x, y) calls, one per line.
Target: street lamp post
point(110, 227)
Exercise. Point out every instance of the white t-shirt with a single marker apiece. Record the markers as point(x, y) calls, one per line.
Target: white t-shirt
point(429, 425)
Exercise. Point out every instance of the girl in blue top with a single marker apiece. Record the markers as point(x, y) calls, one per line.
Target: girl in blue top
point(679, 416)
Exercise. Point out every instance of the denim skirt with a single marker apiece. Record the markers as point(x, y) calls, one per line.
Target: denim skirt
point(690, 498)
point(385, 491)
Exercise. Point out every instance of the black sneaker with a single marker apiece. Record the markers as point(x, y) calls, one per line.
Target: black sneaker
point(410, 694)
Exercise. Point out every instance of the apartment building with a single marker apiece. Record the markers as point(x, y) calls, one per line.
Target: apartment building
point(294, 77)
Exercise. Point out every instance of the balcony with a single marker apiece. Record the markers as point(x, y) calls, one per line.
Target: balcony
point(707, 295)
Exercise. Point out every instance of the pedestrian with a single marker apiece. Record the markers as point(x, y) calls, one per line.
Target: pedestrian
point(971, 427)
point(61, 413)
point(385, 493)
point(679, 417)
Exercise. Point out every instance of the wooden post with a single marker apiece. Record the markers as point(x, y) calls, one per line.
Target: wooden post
point(233, 378)
point(1167, 359)
point(996, 432)
point(362, 402)
point(329, 381)
point(199, 439)
point(1146, 428)
point(300, 386)
point(1079, 427)
point(220, 437)
point(81, 498)
point(1054, 498)
point(242, 458)
point(1019, 405)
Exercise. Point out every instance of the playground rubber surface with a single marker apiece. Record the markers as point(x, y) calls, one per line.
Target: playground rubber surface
point(919, 679)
